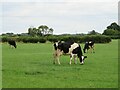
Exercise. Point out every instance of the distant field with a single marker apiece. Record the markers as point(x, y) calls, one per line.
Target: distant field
point(30, 66)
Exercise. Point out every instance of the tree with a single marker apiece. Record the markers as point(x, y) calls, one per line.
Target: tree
point(41, 30)
point(34, 31)
point(114, 26)
point(109, 32)
point(45, 30)
point(51, 31)
point(93, 32)
point(112, 30)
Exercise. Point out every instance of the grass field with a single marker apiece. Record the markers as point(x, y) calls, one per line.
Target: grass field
point(31, 66)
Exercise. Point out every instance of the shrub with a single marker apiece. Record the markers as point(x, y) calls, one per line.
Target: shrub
point(33, 39)
point(81, 39)
point(52, 38)
point(97, 38)
point(4, 39)
point(42, 40)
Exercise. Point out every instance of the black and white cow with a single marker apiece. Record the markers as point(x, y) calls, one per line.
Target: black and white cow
point(89, 45)
point(68, 48)
point(12, 43)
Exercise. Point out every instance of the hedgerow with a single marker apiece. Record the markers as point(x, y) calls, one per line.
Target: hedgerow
point(54, 38)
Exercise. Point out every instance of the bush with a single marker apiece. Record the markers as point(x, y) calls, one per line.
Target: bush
point(4, 39)
point(97, 38)
point(42, 40)
point(7, 38)
point(33, 39)
point(75, 38)
point(81, 39)
point(52, 38)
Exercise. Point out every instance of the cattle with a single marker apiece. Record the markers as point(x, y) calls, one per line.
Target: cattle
point(68, 48)
point(12, 43)
point(89, 45)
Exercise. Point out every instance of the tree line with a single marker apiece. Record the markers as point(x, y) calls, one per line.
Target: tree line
point(40, 31)
point(44, 33)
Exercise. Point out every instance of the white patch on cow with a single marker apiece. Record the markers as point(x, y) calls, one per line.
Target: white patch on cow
point(75, 58)
point(82, 57)
point(82, 60)
point(90, 42)
point(73, 46)
point(57, 44)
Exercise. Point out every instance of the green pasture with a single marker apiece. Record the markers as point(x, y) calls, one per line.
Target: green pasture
point(31, 66)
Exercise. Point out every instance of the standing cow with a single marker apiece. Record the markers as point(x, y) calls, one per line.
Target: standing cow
point(12, 43)
point(70, 48)
point(89, 45)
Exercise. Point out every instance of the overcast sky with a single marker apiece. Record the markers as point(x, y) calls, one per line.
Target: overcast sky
point(64, 16)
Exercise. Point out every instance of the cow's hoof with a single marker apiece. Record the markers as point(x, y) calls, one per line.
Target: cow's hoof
point(81, 64)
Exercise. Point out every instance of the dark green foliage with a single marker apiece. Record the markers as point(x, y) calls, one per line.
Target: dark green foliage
point(96, 38)
point(113, 31)
point(55, 38)
point(52, 38)
point(93, 32)
point(4, 39)
point(33, 40)
point(82, 39)
point(42, 40)
point(114, 26)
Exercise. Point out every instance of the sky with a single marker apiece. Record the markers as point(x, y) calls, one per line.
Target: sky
point(64, 16)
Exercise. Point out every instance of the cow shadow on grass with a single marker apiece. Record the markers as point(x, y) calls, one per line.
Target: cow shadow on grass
point(34, 73)
point(47, 67)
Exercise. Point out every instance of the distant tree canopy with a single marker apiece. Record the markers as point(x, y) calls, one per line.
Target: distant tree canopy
point(93, 32)
point(112, 30)
point(40, 31)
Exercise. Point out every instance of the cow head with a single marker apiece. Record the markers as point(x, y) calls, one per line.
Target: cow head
point(82, 58)
point(58, 45)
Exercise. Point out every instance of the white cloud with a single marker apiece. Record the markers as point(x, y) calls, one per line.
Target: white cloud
point(68, 16)
point(59, 0)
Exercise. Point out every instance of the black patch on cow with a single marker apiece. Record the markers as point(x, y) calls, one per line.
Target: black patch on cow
point(55, 47)
point(12, 43)
point(65, 46)
point(79, 53)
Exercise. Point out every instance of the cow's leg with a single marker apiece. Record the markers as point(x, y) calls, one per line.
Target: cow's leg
point(75, 59)
point(93, 49)
point(58, 60)
point(84, 50)
point(55, 57)
point(58, 53)
point(71, 57)
point(11, 46)
point(90, 49)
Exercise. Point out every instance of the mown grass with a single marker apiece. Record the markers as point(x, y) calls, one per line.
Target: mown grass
point(31, 66)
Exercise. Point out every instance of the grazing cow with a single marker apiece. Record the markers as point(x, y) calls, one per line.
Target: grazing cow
point(12, 43)
point(89, 45)
point(68, 48)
